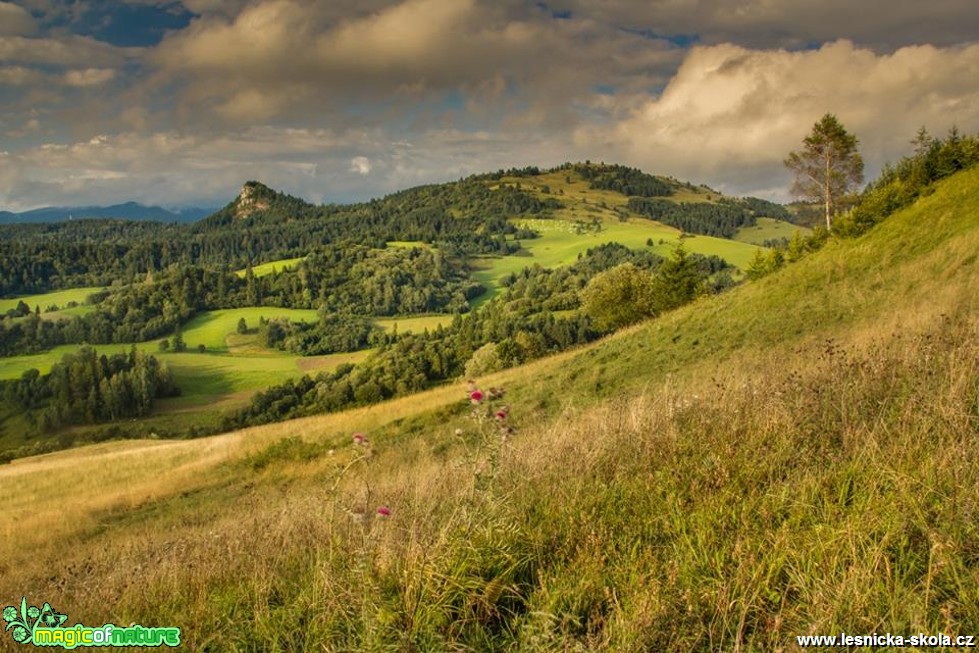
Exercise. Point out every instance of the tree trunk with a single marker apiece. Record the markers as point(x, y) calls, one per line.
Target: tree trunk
point(826, 192)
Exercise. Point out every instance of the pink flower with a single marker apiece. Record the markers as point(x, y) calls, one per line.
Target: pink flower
point(383, 511)
point(501, 415)
point(476, 396)
point(359, 438)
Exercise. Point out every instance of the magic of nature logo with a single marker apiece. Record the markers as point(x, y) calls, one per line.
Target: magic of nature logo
point(45, 626)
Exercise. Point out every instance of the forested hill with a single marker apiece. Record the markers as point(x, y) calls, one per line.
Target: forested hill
point(471, 216)
point(126, 211)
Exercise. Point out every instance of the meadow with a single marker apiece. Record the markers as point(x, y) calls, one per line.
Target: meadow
point(795, 456)
point(271, 267)
point(53, 303)
point(768, 229)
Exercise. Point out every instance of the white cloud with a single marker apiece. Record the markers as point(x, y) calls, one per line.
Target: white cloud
point(730, 115)
point(361, 165)
point(89, 76)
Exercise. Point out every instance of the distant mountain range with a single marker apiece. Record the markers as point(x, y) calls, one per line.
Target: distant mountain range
point(127, 211)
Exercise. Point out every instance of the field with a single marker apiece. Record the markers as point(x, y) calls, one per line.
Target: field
point(223, 377)
point(265, 269)
point(769, 229)
point(795, 456)
point(414, 324)
point(59, 299)
point(212, 328)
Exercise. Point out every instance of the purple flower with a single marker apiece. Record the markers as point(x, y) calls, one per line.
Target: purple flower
point(359, 438)
point(383, 511)
point(476, 396)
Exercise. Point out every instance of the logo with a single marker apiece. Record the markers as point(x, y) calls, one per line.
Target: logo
point(45, 626)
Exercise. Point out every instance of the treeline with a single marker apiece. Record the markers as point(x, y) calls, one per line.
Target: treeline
point(721, 220)
point(900, 185)
point(331, 334)
point(760, 208)
point(622, 179)
point(88, 388)
point(462, 218)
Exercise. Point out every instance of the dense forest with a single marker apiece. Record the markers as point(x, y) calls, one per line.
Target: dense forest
point(86, 388)
point(461, 218)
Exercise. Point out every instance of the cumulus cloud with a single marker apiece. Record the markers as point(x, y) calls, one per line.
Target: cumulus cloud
point(285, 58)
point(89, 76)
point(361, 165)
point(731, 114)
point(881, 24)
point(15, 21)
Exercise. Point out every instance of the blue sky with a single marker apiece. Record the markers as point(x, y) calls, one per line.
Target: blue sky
point(180, 102)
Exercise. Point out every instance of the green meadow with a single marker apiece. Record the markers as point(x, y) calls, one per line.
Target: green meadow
point(59, 299)
point(769, 229)
point(271, 267)
point(212, 328)
point(231, 367)
point(414, 324)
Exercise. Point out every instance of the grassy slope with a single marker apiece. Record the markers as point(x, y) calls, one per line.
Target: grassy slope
point(769, 229)
point(721, 478)
point(57, 298)
point(271, 267)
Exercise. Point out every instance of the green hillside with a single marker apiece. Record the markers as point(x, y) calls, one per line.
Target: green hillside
point(793, 457)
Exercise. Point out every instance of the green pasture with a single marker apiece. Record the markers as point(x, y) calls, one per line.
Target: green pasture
point(769, 229)
point(414, 324)
point(409, 244)
point(58, 298)
point(271, 267)
point(212, 328)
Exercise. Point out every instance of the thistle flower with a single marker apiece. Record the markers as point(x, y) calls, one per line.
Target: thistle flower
point(476, 396)
point(501, 414)
point(359, 439)
point(383, 511)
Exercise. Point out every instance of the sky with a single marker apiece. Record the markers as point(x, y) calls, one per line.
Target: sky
point(178, 103)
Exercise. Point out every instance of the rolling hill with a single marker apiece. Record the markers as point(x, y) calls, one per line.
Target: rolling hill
point(793, 457)
point(124, 211)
